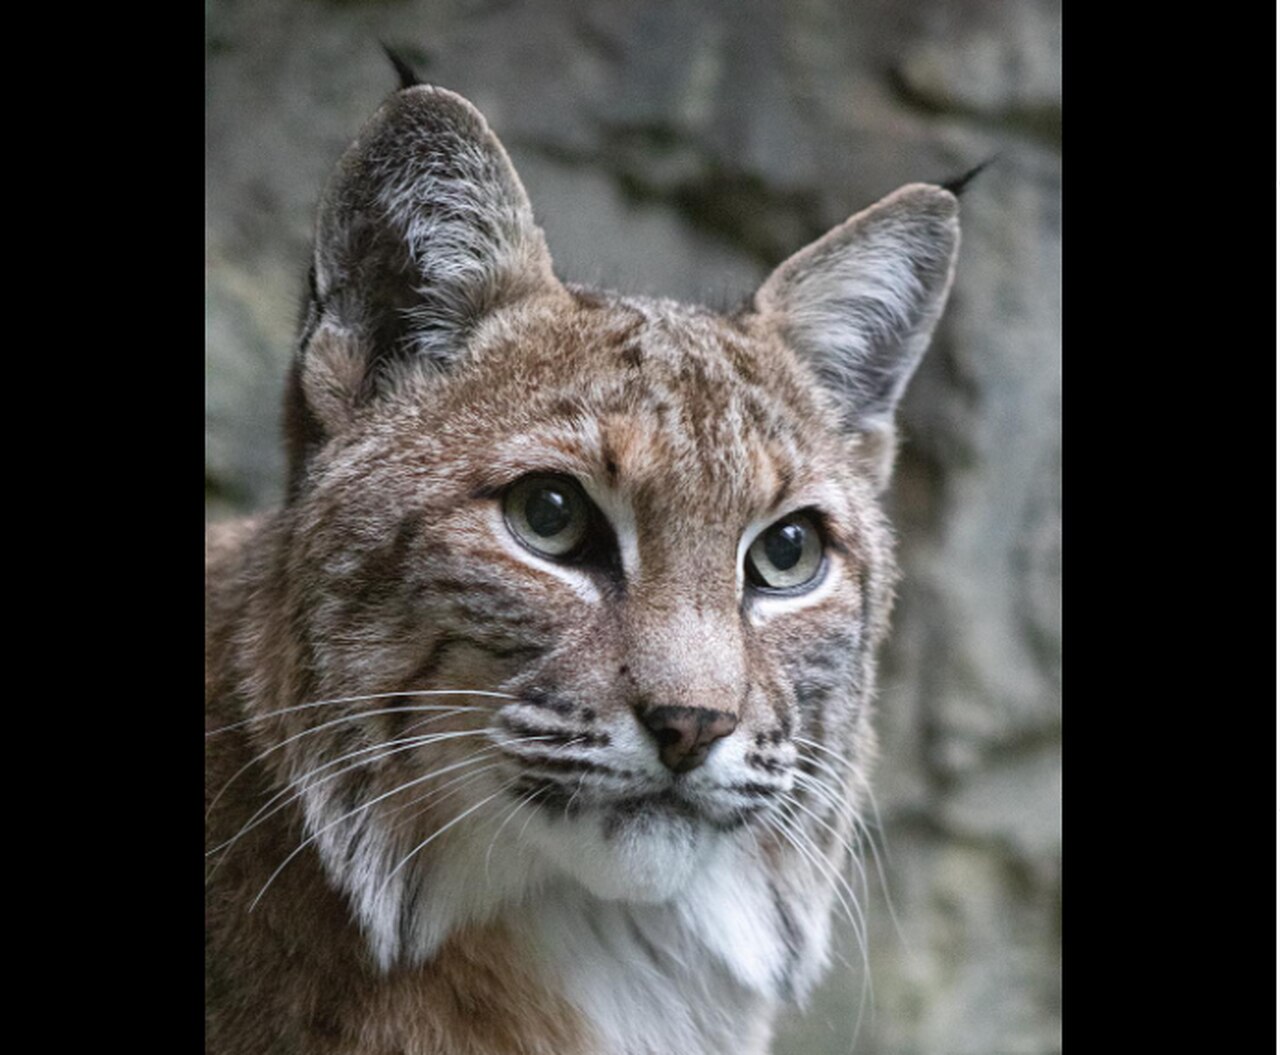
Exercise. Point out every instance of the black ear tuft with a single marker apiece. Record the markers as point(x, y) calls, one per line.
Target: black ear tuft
point(958, 184)
point(408, 78)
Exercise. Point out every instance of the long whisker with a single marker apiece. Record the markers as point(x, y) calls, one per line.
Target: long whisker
point(849, 849)
point(351, 813)
point(507, 820)
point(361, 699)
point(847, 811)
point(840, 886)
point(860, 778)
point(830, 793)
point(843, 809)
point(302, 784)
point(469, 760)
point(433, 797)
point(301, 780)
point(799, 840)
point(528, 819)
point(576, 791)
point(868, 835)
point(435, 791)
point(328, 725)
point(521, 804)
point(435, 718)
point(829, 751)
point(861, 934)
point(440, 831)
point(864, 838)
point(402, 739)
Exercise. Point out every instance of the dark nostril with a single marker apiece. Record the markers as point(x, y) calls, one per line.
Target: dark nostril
point(685, 734)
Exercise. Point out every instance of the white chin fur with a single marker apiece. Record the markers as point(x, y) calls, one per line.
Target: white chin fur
point(647, 860)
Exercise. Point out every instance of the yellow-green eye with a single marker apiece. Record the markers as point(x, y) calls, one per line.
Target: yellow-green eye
point(549, 514)
point(786, 555)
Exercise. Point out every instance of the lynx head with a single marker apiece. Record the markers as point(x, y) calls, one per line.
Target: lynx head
point(595, 581)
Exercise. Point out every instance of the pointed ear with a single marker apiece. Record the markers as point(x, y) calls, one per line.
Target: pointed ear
point(860, 304)
point(423, 230)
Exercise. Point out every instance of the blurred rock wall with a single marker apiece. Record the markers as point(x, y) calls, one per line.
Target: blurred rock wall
point(683, 149)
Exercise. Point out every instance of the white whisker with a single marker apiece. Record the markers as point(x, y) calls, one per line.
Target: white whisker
point(497, 748)
point(351, 813)
point(361, 699)
point(320, 728)
point(799, 840)
point(440, 831)
point(301, 785)
point(867, 834)
point(510, 816)
point(433, 797)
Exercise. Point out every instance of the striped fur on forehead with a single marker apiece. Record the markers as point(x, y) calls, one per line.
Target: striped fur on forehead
point(647, 395)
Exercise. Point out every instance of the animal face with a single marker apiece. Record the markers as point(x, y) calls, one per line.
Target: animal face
point(589, 586)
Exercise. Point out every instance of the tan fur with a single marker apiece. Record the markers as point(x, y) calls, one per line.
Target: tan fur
point(391, 570)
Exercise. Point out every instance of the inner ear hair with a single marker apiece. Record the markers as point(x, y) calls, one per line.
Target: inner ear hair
point(424, 229)
point(860, 304)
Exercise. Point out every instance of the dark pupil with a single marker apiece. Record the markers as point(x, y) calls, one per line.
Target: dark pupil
point(547, 512)
point(783, 546)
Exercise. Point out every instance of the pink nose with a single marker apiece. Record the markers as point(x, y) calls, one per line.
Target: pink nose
point(685, 734)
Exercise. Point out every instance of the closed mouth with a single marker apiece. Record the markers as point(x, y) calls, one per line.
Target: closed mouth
point(663, 806)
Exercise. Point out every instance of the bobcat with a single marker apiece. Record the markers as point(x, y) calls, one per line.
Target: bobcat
point(539, 714)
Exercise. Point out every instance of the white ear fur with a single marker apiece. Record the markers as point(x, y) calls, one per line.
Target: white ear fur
point(860, 304)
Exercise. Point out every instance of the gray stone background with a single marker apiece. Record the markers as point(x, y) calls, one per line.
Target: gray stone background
point(683, 149)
